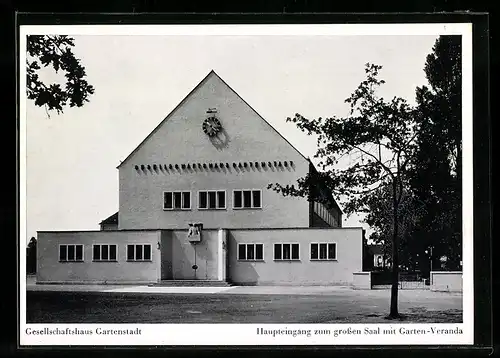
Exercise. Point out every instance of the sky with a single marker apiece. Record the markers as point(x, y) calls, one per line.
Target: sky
point(72, 180)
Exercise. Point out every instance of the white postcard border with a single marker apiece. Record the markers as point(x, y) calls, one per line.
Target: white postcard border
point(245, 334)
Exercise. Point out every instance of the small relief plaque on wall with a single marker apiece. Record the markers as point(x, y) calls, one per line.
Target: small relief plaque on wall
point(194, 232)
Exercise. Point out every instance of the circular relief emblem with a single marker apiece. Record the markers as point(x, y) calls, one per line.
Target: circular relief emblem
point(211, 126)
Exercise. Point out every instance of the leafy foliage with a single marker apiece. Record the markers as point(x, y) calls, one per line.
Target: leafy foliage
point(379, 139)
point(436, 176)
point(57, 52)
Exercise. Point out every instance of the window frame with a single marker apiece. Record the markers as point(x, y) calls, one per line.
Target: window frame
point(252, 207)
point(74, 260)
point(254, 244)
point(327, 251)
point(291, 251)
point(173, 208)
point(100, 253)
point(135, 252)
point(216, 191)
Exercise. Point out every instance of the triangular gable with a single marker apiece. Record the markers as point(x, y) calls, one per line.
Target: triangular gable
point(212, 72)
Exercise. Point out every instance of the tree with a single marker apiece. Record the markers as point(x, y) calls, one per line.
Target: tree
point(31, 256)
point(378, 137)
point(56, 51)
point(410, 210)
point(436, 178)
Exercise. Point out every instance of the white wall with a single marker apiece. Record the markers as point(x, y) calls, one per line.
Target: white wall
point(181, 140)
point(49, 269)
point(303, 272)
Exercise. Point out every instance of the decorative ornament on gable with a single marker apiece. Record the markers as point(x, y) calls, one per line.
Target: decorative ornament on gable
point(212, 125)
point(194, 232)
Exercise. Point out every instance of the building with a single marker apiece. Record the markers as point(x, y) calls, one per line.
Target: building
point(194, 205)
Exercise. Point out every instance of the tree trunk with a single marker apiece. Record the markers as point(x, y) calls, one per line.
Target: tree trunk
point(395, 255)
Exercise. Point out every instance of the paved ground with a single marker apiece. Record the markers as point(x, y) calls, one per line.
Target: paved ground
point(258, 304)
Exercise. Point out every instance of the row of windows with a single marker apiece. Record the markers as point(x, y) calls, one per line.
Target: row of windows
point(331, 217)
point(212, 199)
point(246, 252)
point(285, 251)
point(104, 253)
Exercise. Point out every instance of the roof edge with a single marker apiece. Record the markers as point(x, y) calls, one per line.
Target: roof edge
point(261, 117)
point(166, 118)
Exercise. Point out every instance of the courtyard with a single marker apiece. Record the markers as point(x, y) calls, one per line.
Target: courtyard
point(240, 304)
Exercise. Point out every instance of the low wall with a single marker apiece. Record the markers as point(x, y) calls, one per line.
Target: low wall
point(362, 280)
point(349, 244)
point(449, 281)
point(51, 270)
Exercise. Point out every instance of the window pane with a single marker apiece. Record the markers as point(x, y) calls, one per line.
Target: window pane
point(242, 252)
point(62, 253)
point(130, 252)
point(211, 200)
point(71, 252)
point(259, 252)
point(295, 251)
point(247, 199)
point(237, 199)
point(277, 251)
point(97, 252)
point(322, 251)
point(112, 252)
point(177, 200)
point(186, 200)
point(138, 252)
point(203, 200)
point(314, 251)
point(168, 201)
point(286, 251)
point(256, 198)
point(104, 252)
point(79, 252)
point(147, 252)
point(332, 251)
point(250, 252)
point(221, 196)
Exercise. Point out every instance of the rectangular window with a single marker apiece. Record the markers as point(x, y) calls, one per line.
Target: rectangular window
point(104, 252)
point(70, 253)
point(78, 252)
point(286, 252)
point(186, 200)
point(250, 252)
point(314, 252)
point(277, 251)
point(221, 199)
point(212, 199)
point(140, 252)
point(256, 198)
point(177, 200)
point(332, 251)
point(237, 199)
point(203, 203)
point(324, 251)
point(247, 199)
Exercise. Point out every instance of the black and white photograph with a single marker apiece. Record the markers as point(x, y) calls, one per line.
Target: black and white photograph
point(246, 184)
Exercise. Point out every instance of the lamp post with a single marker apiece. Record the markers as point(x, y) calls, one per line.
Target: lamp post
point(429, 252)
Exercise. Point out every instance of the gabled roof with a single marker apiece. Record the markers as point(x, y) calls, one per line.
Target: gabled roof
point(212, 72)
point(113, 219)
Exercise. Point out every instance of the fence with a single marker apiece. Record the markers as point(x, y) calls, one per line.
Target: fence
point(407, 280)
